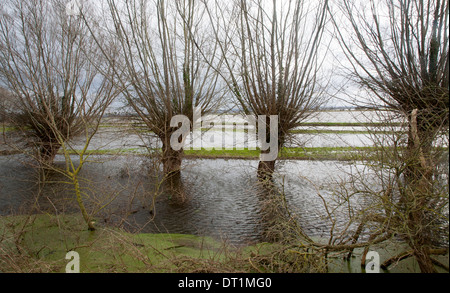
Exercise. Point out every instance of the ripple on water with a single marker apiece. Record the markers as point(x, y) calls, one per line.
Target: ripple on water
point(222, 200)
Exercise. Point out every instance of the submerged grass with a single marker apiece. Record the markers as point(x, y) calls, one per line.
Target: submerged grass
point(39, 243)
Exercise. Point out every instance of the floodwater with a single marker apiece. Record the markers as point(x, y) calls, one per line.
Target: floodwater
point(222, 196)
point(223, 199)
point(221, 135)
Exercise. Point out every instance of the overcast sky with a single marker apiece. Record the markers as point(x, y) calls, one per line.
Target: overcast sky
point(335, 66)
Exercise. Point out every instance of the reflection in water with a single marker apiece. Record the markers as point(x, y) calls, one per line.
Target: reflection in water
point(222, 198)
point(18, 182)
point(174, 188)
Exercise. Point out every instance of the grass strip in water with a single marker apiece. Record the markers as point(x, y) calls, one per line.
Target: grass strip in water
point(322, 153)
point(4, 129)
point(310, 153)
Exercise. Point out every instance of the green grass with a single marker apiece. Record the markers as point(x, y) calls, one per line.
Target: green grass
point(47, 238)
point(39, 243)
point(7, 128)
point(213, 153)
point(297, 153)
point(320, 153)
point(323, 153)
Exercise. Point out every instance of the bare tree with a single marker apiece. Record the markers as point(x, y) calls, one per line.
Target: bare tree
point(53, 68)
point(399, 52)
point(160, 66)
point(51, 65)
point(272, 51)
point(5, 104)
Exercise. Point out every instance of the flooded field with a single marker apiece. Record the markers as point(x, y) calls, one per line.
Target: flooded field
point(222, 195)
point(324, 129)
point(223, 199)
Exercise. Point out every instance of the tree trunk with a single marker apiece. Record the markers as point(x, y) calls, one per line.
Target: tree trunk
point(48, 151)
point(80, 202)
point(265, 170)
point(422, 255)
point(174, 187)
point(419, 189)
point(171, 161)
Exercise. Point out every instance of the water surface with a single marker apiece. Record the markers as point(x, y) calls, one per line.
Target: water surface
point(222, 196)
